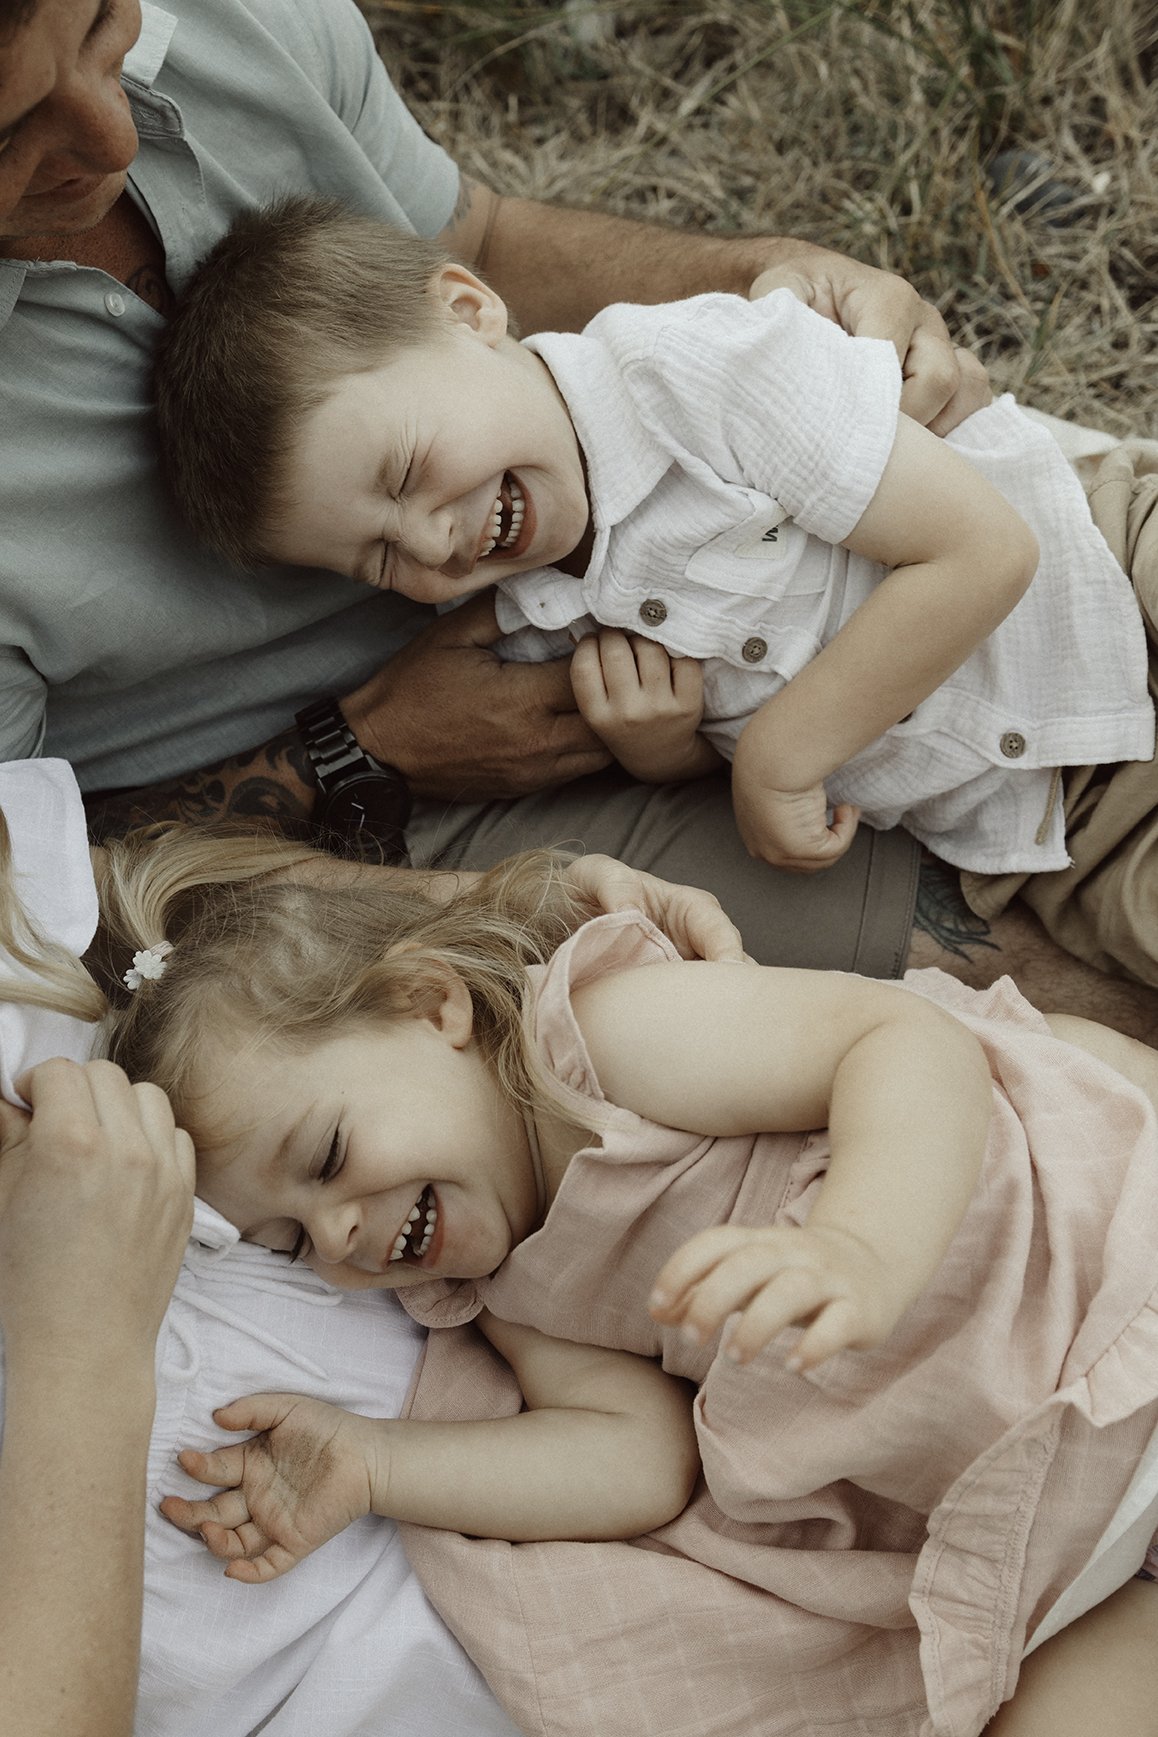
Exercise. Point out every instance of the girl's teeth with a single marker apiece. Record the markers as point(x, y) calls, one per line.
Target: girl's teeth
point(418, 1237)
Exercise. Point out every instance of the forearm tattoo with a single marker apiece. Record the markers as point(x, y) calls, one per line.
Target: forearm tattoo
point(274, 783)
point(943, 914)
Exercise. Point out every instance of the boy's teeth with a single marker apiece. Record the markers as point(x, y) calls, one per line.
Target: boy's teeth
point(494, 530)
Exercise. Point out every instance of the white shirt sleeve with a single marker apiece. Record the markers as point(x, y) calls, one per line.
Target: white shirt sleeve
point(52, 878)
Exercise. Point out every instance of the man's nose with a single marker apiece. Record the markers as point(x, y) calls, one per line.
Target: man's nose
point(92, 128)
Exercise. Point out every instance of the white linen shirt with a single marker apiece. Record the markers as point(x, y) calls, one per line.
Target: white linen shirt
point(347, 1644)
point(730, 445)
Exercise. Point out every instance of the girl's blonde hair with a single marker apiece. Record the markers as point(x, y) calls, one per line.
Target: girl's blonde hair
point(273, 939)
point(57, 978)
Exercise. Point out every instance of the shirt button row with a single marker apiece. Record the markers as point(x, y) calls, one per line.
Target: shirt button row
point(115, 304)
point(1012, 744)
point(653, 613)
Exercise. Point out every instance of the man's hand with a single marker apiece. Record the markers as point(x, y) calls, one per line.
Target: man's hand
point(464, 726)
point(774, 1278)
point(307, 1475)
point(642, 704)
point(942, 384)
point(790, 828)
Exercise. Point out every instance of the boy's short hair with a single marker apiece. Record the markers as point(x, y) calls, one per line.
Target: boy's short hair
point(292, 299)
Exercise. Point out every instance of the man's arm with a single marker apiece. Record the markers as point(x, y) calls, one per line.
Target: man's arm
point(459, 724)
point(557, 268)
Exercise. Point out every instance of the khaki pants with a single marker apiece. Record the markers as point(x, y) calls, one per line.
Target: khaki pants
point(1104, 908)
point(856, 916)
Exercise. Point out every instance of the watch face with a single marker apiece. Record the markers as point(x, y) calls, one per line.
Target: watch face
point(367, 816)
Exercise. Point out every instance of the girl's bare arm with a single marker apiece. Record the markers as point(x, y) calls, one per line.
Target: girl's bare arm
point(902, 1087)
point(604, 1449)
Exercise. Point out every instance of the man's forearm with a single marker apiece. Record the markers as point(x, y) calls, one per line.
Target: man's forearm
point(584, 260)
point(273, 782)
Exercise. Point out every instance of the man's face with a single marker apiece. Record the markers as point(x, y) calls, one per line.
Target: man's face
point(66, 134)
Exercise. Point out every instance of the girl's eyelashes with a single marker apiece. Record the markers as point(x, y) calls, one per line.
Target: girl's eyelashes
point(301, 1246)
point(334, 1159)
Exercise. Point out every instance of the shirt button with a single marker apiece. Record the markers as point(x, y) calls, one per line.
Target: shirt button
point(1012, 744)
point(115, 304)
point(754, 650)
point(653, 612)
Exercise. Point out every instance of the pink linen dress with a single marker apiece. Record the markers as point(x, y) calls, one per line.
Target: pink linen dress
point(872, 1544)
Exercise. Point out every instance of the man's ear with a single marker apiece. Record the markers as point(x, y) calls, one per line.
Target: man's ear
point(468, 299)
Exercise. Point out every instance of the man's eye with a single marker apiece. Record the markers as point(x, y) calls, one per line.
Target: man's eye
point(6, 139)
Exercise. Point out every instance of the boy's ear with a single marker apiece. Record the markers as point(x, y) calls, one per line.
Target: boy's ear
point(471, 301)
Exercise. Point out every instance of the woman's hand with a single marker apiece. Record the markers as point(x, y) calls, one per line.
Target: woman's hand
point(776, 1277)
point(96, 1201)
point(306, 1476)
point(690, 917)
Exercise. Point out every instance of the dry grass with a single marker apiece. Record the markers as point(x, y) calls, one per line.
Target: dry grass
point(867, 126)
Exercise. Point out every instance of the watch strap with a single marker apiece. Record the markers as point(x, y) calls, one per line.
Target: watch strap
point(332, 746)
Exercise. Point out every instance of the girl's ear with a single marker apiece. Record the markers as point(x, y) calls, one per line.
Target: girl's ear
point(445, 1001)
point(472, 302)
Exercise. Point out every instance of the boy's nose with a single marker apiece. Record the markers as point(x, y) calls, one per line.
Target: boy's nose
point(430, 541)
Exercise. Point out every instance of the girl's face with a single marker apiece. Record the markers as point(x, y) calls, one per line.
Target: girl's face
point(391, 1150)
point(451, 466)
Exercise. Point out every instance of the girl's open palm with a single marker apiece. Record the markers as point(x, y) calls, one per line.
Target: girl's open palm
point(772, 1278)
point(285, 1491)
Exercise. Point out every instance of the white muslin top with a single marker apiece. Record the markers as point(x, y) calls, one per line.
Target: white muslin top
point(731, 446)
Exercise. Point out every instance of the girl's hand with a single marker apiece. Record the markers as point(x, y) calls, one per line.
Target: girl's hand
point(645, 705)
point(96, 1202)
point(774, 1278)
point(790, 828)
point(691, 918)
point(305, 1477)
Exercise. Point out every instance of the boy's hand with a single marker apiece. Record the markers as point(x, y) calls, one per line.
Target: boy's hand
point(645, 705)
point(775, 1278)
point(790, 828)
point(285, 1491)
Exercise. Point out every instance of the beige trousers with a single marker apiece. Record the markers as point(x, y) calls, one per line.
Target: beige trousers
point(1104, 907)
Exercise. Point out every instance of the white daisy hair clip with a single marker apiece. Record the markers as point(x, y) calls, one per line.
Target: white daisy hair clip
point(148, 964)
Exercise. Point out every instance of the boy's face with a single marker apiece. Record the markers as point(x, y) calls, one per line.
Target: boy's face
point(447, 468)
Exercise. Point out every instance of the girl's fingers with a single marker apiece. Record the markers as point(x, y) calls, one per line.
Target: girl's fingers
point(836, 1328)
point(268, 1565)
point(223, 1467)
point(687, 1266)
point(190, 1516)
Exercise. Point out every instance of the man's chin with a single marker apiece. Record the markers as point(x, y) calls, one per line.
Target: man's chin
point(68, 212)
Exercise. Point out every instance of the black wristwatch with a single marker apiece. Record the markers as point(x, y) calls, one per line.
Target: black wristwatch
point(363, 804)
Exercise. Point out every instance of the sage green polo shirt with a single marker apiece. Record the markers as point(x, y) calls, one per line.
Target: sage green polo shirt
point(124, 648)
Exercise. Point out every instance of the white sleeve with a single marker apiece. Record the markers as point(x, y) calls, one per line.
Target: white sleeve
point(773, 396)
point(52, 878)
